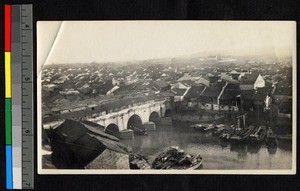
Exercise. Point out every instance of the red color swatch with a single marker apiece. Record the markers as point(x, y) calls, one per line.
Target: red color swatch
point(7, 27)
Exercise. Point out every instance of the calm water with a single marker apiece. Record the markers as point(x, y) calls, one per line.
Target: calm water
point(216, 154)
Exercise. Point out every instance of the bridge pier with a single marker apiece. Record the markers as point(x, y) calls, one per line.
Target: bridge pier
point(121, 118)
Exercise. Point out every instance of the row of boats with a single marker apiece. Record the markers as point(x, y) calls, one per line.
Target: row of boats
point(249, 134)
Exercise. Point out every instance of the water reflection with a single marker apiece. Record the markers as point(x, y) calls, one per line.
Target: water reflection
point(223, 143)
point(272, 150)
point(217, 154)
point(254, 148)
point(241, 150)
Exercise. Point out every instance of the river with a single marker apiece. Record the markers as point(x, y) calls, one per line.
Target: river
point(216, 154)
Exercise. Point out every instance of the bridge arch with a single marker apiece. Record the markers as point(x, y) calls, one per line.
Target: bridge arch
point(112, 129)
point(154, 117)
point(168, 113)
point(134, 121)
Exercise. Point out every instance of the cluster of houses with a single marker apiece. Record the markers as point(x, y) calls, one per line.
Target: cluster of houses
point(233, 91)
point(214, 89)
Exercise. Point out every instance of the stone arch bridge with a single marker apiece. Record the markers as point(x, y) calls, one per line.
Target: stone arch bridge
point(132, 116)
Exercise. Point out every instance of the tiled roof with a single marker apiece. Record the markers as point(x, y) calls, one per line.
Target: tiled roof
point(194, 91)
point(188, 83)
point(283, 88)
point(161, 83)
point(179, 91)
point(287, 91)
point(249, 79)
point(213, 91)
point(261, 94)
point(247, 94)
point(104, 87)
point(231, 91)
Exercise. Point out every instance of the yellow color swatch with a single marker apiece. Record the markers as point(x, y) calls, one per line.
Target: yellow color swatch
point(7, 75)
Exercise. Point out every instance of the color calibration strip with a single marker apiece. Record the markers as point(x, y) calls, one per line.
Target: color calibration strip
point(18, 96)
point(8, 104)
point(27, 96)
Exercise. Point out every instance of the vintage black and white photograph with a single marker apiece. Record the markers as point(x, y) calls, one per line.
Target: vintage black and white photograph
point(196, 97)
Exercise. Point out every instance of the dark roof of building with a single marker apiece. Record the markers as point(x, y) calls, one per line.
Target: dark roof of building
point(167, 93)
point(287, 91)
point(249, 79)
point(231, 91)
point(204, 77)
point(179, 91)
point(103, 88)
point(203, 80)
point(268, 84)
point(285, 106)
point(247, 94)
point(210, 92)
point(161, 84)
point(235, 76)
point(213, 91)
point(213, 79)
point(194, 91)
point(261, 94)
point(188, 83)
point(283, 88)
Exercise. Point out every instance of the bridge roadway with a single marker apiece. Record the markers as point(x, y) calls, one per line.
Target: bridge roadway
point(132, 116)
point(138, 112)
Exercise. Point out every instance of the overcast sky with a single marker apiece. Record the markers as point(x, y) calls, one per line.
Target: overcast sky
point(109, 41)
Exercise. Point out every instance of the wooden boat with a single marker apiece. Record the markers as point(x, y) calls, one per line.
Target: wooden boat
point(219, 128)
point(209, 127)
point(242, 134)
point(225, 136)
point(219, 131)
point(205, 127)
point(198, 127)
point(75, 144)
point(139, 131)
point(247, 132)
point(259, 134)
point(175, 158)
point(138, 161)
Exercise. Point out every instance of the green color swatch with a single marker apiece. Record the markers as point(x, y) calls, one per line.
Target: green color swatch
point(8, 122)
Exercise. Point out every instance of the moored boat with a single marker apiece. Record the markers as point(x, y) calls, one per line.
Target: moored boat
point(139, 131)
point(220, 131)
point(258, 134)
point(175, 158)
point(205, 127)
point(225, 136)
point(242, 135)
point(138, 161)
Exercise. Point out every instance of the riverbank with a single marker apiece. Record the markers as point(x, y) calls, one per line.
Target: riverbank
point(216, 154)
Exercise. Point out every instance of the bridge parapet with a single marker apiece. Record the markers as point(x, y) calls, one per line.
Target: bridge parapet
point(118, 115)
point(121, 117)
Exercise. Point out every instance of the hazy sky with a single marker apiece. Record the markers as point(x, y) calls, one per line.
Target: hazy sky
point(108, 41)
